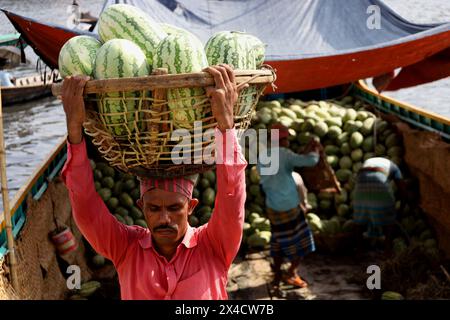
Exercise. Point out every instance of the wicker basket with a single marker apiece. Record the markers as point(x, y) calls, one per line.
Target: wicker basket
point(321, 177)
point(143, 140)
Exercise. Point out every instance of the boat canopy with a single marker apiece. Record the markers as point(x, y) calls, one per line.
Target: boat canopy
point(11, 39)
point(311, 43)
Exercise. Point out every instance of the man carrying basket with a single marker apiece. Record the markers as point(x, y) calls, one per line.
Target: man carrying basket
point(286, 205)
point(170, 259)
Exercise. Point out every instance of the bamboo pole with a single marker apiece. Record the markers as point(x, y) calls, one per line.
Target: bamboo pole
point(6, 213)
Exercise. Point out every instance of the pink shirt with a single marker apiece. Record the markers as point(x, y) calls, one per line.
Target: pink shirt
point(199, 268)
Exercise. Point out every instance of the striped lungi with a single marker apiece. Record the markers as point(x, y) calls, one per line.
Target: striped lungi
point(373, 202)
point(291, 235)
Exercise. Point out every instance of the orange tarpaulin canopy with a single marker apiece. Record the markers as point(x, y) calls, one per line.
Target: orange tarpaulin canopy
point(424, 60)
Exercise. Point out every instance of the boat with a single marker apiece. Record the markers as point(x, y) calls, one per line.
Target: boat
point(12, 51)
point(305, 46)
point(89, 21)
point(27, 88)
point(12, 39)
point(42, 272)
point(10, 57)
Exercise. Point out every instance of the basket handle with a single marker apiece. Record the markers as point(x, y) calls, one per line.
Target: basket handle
point(184, 80)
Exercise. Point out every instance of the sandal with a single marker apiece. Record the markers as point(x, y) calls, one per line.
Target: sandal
point(296, 281)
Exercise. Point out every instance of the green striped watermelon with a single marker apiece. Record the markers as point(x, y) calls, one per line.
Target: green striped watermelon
point(236, 49)
point(247, 97)
point(119, 58)
point(233, 48)
point(179, 54)
point(77, 56)
point(122, 21)
point(259, 48)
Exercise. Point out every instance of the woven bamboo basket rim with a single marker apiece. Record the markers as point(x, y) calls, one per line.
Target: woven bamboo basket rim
point(265, 75)
point(147, 150)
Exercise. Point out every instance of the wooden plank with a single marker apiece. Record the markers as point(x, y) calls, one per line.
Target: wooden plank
point(20, 94)
point(199, 79)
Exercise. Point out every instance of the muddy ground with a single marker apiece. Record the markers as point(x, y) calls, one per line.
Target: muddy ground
point(330, 277)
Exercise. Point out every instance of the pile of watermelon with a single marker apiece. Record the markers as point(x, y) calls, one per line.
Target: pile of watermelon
point(131, 44)
point(119, 191)
point(256, 230)
point(350, 134)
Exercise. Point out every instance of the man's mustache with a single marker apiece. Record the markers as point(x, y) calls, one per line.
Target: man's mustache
point(165, 227)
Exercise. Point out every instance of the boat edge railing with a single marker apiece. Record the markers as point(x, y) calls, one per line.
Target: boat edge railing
point(35, 186)
point(416, 116)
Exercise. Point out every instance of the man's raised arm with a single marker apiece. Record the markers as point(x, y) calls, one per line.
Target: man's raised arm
point(106, 235)
point(224, 229)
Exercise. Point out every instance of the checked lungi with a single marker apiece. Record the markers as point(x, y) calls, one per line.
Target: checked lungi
point(373, 202)
point(291, 235)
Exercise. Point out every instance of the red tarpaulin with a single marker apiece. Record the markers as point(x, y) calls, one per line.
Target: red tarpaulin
point(45, 39)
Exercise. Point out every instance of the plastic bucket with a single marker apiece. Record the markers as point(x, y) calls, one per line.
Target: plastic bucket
point(64, 241)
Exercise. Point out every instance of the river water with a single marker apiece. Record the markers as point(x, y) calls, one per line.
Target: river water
point(33, 129)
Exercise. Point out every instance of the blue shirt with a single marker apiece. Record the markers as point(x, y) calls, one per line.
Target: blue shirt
point(280, 188)
point(5, 79)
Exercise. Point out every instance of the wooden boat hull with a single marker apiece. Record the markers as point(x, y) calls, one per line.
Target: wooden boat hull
point(27, 89)
point(41, 182)
point(16, 95)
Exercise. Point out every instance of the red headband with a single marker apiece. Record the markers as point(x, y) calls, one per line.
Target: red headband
point(181, 185)
point(283, 131)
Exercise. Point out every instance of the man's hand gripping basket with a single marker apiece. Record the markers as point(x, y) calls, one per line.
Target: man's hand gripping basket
point(162, 125)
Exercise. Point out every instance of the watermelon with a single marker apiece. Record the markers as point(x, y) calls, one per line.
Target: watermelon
point(333, 160)
point(208, 197)
point(391, 295)
point(77, 56)
point(321, 128)
point(119, 58)
point(171, 29)
point(234, 48)
point(334, 132)
point(345, 162)
point(122, 21)
point(258, 47)
point(342, 138)
point(356, 140)
point(179, 54)
point(331, 150)
point(314, 221)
